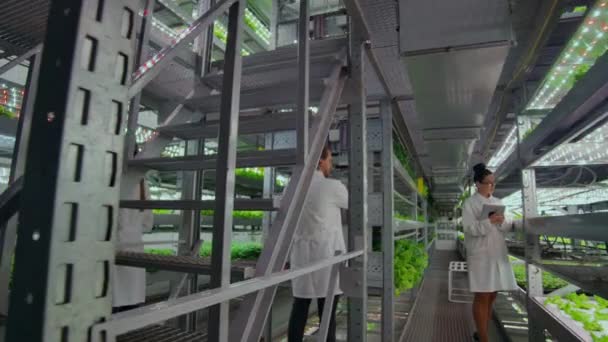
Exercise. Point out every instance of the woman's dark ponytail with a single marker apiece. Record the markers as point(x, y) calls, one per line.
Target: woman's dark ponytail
point(480, 172)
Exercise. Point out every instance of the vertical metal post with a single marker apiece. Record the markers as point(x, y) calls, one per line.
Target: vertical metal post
point(532, 250)
point(426, 222)
point(189, 231)
point(274, 19)
point(9, 236)
point(204, 43)
point(193, 181)
point(224, 176)
point(388, 234)
point(274, 24)
point(73, 171)
point(268, 191)
point(357, 237)
point(140, 54)
point(303, 84)
point(414, 211)
point(269, 182)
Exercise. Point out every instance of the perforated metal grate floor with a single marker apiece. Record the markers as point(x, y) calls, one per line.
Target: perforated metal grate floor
point(434, 319)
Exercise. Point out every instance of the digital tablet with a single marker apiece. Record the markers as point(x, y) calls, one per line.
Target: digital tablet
point(491, 208)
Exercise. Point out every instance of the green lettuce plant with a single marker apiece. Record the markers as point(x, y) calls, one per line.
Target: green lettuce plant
point(410, 261)
point(238, 250)
point(576, 306)
point(550, 282)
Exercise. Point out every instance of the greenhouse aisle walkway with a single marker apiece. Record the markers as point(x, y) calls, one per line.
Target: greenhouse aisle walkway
point(434, 318)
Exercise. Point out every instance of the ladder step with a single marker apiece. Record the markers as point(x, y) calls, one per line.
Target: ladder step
point(270, 158)
point(262, 204)
point(243, 269)
point(247, 125)
point(279, 94)
point(266, 73)
point(161, 333)
point(288, 55)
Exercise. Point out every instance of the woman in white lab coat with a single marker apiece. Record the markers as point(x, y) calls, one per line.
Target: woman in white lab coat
point(318, 237)
point(487, 259)
point(129, 283)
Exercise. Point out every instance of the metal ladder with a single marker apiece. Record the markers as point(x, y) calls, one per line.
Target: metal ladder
point(326, 61)
point(328, 81)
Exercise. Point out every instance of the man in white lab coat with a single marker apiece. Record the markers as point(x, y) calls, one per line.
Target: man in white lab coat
point(129, 283)
point(318, 237)
point(487, 259)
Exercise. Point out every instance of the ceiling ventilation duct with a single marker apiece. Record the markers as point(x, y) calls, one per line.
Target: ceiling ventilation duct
point(454, 52)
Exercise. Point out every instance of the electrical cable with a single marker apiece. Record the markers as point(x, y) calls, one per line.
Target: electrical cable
point(548, 182)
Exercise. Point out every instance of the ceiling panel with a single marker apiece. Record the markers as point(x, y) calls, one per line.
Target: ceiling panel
point(455, 89)
point(440, 24)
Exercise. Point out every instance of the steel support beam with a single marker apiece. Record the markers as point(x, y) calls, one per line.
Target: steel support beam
point(18, 60)
point(357, 236)
point(144, 75)
point(193, 181)
point(226, 164)
point(141, 51)
point(388, 233)
point(269, 182)
point(8, 238)
point(255, 308)
point(189, 231)
point(532, 250)
point(303, 84)
point(62, 280)
point(329, 304)
point(353, 8)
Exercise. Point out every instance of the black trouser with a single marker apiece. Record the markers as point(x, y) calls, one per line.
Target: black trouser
point(299, 316)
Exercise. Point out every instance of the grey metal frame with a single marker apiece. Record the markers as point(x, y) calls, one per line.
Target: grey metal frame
point(141, 50)
point(160, 312)
point(357, 237)
point(388, 235)
point(226, 164)
point(303, 84)
point(8, 237)
point(78, 257)
point(164, 57)
point(254, 310)
point(20, 59)
point(63, 256)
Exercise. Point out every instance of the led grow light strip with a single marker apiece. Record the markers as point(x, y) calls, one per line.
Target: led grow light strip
point(588, 44)
point(505, 150)
point(593, 149)
point(581, 52)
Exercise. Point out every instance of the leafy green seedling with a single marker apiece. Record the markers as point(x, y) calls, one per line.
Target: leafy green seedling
point(603, 304)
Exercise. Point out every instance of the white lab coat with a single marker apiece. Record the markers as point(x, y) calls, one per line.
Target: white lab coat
point(129, 283)
point(319, 235)
point(487, 258)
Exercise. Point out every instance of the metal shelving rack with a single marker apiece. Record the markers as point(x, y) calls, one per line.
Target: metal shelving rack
point(390, 186)
point(142, 76)
point(578, 113)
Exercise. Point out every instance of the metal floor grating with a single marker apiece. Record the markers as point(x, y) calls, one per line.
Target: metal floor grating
point(159, 333)
point(242, 269)
point(433, 318)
